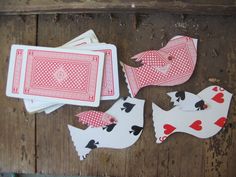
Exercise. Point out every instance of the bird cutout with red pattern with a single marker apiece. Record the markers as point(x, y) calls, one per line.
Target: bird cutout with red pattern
point(123, 132)
point(96, 118)
point(168, 66)
point(203, 118)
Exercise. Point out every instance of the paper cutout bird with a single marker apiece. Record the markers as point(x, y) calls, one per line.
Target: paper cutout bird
point(168, 66)
point(202, 123)
point(125, 131)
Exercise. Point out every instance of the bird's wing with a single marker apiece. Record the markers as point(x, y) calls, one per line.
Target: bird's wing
point(187, 101)
point(152, 58)
point(96, 118)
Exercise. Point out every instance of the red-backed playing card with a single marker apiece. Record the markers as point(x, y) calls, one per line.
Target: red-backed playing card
point(61, 75)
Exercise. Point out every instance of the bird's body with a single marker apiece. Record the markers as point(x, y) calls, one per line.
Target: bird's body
point(121, 134)
point(169, 66)
point(202, 123)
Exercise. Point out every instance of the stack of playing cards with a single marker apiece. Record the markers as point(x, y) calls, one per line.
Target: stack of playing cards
point(81, 72)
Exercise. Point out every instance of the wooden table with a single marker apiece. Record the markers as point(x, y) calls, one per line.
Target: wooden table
point(41, 143)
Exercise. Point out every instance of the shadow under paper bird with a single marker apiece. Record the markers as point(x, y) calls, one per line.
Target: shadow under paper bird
point(168, 66)
point(118, 128)
point(202, 115)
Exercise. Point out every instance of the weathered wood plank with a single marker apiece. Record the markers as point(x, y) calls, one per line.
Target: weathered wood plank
point(220, 150)
point(181, 154)
point(17, 135)
point(73, 6)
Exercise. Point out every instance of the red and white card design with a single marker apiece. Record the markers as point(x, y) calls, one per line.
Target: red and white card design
point(168, 66)
point(119, 127)
point(56, 75)
point(110, 81)
point(96, 118)
point(39, 106)
point(213, 104)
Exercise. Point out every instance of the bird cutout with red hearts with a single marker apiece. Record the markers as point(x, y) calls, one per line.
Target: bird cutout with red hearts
point(128, 114)
point(203, 121)
point(168, 66)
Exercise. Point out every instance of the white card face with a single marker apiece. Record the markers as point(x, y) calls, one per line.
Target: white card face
point(33, 106)
point(41, 67)
point(88, 34)
point(50, 109)
point(128, 113)
point(78, 43)
point(200, 123)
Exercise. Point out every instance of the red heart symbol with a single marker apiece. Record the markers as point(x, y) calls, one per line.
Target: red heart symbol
point(196, 125)
point(168, 129)
point(215, 89)
point(221, 122)
point(219, 98)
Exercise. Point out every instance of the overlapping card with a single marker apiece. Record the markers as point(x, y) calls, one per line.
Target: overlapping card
point(81, 72)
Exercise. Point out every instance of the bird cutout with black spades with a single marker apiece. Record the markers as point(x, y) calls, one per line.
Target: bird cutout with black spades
point(128, 125)
point(169, 66)
point(127, 107)
point(135, 130)
point(207, 118)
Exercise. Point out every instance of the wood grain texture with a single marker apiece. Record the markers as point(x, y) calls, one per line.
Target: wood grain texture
point(76, 6)
point(17, 135)
point(181, 154)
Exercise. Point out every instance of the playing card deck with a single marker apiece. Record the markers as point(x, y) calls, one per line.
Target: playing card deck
point(77, 73)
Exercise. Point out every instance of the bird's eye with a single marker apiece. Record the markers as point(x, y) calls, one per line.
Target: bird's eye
point(221, 89)
point(170, 57)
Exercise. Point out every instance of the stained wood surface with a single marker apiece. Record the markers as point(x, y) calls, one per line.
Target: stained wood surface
point(76, 6)
point(181, 154)
point(17, 128)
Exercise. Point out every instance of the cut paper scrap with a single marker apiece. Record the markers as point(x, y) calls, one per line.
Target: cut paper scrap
point(128, 112)
point(169, 66)
point(200, 123)
point(96, 118)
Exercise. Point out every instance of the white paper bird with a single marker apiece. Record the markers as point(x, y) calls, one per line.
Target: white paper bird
point(125, 131)
point(202, 123)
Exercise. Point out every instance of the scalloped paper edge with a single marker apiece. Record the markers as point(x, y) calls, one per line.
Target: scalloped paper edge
point(126, 80)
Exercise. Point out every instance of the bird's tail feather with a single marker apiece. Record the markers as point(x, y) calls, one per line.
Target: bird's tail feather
point(75, 134)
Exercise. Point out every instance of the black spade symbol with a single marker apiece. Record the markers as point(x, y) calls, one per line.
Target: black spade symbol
point(135, 130)
point(91, 144)
point(109, 128)
point(180, 95)
point(200, 105)
point(127, 107)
